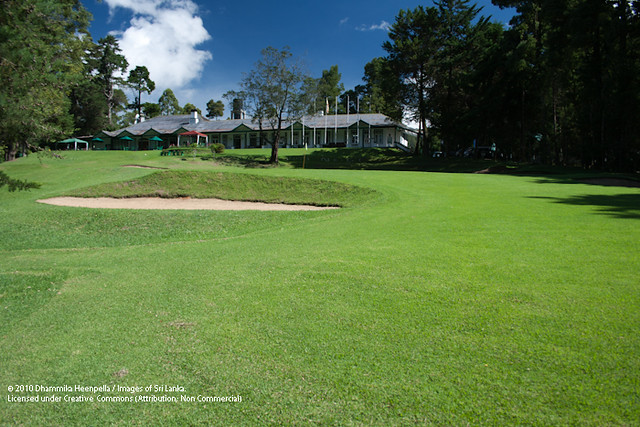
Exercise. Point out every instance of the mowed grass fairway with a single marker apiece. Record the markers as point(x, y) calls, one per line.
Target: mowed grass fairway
point(438, 298)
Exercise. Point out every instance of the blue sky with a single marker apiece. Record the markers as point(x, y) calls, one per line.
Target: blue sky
point(200, 48)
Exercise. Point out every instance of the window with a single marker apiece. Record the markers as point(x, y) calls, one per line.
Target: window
point(377, 136)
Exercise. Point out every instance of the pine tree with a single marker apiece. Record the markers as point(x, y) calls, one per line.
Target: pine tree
point(140, 81)
point(109, 64)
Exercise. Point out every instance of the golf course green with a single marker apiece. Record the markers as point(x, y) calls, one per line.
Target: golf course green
point(428, 298)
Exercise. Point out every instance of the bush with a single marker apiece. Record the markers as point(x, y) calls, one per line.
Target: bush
point(217, 148)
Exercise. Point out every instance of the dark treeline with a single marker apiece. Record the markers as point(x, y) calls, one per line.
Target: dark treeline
point(559, 86)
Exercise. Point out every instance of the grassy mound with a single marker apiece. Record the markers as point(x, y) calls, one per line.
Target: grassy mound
point(233, 186)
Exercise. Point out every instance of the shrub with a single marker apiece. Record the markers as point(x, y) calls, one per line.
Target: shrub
point(217, 148)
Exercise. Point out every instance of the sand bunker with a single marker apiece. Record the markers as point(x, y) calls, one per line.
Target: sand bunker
point(179, 203)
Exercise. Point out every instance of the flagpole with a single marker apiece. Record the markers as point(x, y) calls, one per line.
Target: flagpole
point(335, 131)
point(358, 122)
point(326, 113)
point(347, 129)
point(369, 136)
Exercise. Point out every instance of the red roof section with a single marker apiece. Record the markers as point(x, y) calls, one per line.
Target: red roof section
point(192, 133)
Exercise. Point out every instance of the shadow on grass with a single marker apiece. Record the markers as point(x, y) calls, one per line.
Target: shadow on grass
point(382, 159)
point(625, 206)
point(247, 161)
point(594, 178)
point(393, 159)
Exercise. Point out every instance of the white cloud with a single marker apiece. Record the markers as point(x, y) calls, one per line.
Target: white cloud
point(162, 36)
point(384, 26)
point(344, 20)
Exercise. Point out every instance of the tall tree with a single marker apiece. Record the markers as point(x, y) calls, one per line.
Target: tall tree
point(434, 52)
point(120, 104)
point(215, 109)
point(486, 98)
point(457, 57)
point(530, 71)
point(88, 106)
point(41, 47)
point(140, 81)
point(414, 38)
point(320, 94)
point(169, 103)
point(110, 66)
point(96, 97)
point(272, 93)
point(329, 87)
point(309, 90)
point(351, 98)
point(381, 88)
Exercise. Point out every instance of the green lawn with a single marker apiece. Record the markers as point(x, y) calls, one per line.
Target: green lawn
point(429, 298)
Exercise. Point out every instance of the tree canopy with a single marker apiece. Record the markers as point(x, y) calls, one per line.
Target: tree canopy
point(41, 47)
point(320, 93)
point(16, 184)
point(215, 109)
point(150, 110)
point(169, 103)
point(189, 107)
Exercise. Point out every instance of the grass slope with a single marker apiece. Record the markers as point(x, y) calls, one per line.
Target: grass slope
point(233, 186)
point(453, 299)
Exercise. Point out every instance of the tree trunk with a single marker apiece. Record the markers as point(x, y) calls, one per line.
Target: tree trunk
point(422, 131)
point(11, 151)
point(425, 146)
point(523, 148)
point(108, 93)
point(418, 138)
point(555, 145)
point(274, 148)
point(274, 152)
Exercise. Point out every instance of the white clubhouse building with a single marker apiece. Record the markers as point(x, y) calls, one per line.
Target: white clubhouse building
point(344, 130)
